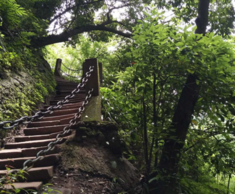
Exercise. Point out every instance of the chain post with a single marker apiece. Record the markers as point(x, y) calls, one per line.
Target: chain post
point(101, 73)
point(58, 68)
point(94, 81)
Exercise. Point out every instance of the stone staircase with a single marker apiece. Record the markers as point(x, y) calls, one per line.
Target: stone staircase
point(37, 136)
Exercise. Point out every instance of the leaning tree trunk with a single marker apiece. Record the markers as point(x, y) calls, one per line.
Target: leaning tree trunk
point(168, 166)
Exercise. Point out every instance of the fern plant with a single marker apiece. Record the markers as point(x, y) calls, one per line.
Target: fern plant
point(11, 12)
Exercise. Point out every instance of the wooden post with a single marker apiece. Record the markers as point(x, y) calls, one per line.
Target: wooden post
point(57, 72)
point(93, 109)
point(101, 73)
point(94, 80)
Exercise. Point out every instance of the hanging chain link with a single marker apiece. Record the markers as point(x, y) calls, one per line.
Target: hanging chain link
point(67, 129)
point(71, 69)
point(63, 73)
point(40, 114)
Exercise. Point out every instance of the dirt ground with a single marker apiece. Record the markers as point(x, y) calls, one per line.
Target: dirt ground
point(92, 163)
point(77, 182)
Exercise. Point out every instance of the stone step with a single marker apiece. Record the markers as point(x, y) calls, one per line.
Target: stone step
point(78, 96)
point(43, 123)
point(51, 118)
point(67, 92)
point(66, 120)
point(48, 160)
point(35, 174)
point(28, 144)
point(35, 137)
point(66, 106)
point(63, 81)
point(66, 84)
point(70, 101)
point(10, 153)
point(38, 135)
point(69, 89)
point(43, 130)
point(72, 105)
point(63, 94)
point(66, 87)
point(50, 123)
point(30, 185)
point(25, 152)
point(33, 143)
point(64, 112)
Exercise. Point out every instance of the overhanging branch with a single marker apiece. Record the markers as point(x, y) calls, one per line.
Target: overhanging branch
point(63, 37)
point(70, 8)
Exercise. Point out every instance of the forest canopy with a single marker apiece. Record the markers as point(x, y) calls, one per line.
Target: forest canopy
point(30, 19)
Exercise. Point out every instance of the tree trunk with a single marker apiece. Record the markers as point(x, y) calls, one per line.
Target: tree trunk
point(174, 142)
point(145, 137)
point(154, 121)
point(229, 178)
point(168, 165)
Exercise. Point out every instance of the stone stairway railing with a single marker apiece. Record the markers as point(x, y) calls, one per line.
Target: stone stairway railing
point(33, 150)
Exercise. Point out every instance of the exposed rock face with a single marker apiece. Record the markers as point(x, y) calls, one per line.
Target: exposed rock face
point(92, 161)
point(21, 92)
point(24, 91)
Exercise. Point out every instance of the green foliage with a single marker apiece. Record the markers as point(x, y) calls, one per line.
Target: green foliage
point(206, 185)
point(74, 56)
point(47, 189)
point(11, 12)
point(18, 22)
point(221, 13)
point(9, 180)
point(170, 53)
point(7, 184)
point(25, 87)
point(10, 60)
point(159, 58)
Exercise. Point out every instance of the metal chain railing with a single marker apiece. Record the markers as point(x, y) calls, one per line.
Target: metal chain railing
point(40, 114)
point(28, 164)
point(71, 69)
point(67, 129)
point(63, 73)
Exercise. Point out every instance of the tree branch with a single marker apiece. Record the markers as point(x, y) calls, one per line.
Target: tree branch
point(63, 37)
point(110, 11)
point(70, 8)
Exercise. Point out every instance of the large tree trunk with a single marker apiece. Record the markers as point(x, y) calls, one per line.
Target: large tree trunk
point(174, 142)
point(168, 166)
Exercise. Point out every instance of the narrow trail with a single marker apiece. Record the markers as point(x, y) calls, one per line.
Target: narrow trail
point(37, 136)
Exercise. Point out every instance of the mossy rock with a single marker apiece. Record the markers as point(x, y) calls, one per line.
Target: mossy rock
point(92, 110)
point(23, 91)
